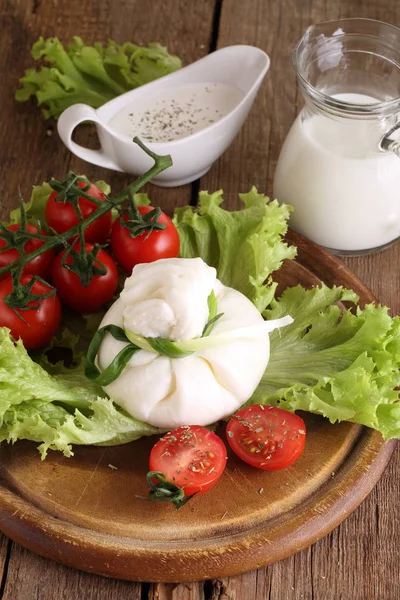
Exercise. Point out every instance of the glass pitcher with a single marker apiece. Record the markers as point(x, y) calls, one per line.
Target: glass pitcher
point(340, 164)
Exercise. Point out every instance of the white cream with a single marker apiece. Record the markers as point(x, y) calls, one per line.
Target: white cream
point(176, 112)
point(168, 298)
point(345, 191)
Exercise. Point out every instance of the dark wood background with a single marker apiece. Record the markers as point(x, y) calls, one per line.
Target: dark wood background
point(360, 559)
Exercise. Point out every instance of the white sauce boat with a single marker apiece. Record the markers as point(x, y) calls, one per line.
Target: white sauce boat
point(241, 66)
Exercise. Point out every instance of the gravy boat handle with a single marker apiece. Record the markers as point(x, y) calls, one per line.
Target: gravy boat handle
point(71, 118)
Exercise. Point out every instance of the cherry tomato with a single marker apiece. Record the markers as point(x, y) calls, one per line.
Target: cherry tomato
point(85, 298)
point(41, 265)
point(62, 216)
point(130, 251)
point(266, 437)
point(38, 325)
point(191, 457)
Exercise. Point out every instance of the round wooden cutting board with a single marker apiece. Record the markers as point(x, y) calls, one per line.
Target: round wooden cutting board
point(85, 513)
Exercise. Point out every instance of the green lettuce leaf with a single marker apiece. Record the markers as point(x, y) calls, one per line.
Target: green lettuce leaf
point(89, 61)
point(245, 246)
point(57, 410)
point(104, 187)
point(134, 66)
point(141, 199)
point(65, 354)
point(55, 428)
point(341, 365)
point(36, 207)
point(90, 74)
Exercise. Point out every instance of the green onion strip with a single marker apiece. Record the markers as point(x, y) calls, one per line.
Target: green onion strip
point(135, 343)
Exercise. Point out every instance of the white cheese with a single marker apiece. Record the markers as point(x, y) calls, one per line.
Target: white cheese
point(168, 299)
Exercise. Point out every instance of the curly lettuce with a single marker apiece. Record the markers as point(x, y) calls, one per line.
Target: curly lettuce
point(57, 410)
point(90, 74)
point(343, 365)
point(245, 246)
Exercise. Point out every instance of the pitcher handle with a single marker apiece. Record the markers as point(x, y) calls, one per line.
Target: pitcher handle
point(71, 118)
point(387, 144)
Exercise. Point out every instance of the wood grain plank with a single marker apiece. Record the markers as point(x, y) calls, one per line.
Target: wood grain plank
point(247, 586)
point(33, 153)
point(357, 559)
point(32, 577)
point(359, 555)
point(166, 23)
point(5, 551)
point(181, 591)
point(272, 26)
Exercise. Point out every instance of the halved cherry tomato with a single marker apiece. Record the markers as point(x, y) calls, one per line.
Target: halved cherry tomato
point(41, 265)
point(77, 296)
point(37, 326)
point(266, 437)
point(62, 216)
point(145, 247)
point(192, 458)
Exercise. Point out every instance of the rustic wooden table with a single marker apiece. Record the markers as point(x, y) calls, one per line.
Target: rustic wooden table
point(357, 561)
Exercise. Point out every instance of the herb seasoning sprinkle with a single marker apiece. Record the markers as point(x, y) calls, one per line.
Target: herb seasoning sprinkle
point(177, 112)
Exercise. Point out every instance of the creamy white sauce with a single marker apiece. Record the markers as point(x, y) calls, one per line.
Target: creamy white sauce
point(345, 191)
point(176, 112)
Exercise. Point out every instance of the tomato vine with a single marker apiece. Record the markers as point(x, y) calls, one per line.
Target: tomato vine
point(68, 191)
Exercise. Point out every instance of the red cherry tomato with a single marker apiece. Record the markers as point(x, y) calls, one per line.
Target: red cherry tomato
point(38, 325)
point(85, 298)
point(130, 251)
point(191, 457)
point(266, 437)
point(41, 265)
point(62, 216)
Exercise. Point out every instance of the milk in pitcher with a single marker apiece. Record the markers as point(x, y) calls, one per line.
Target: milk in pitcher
point(339, 166)
point(344, 189)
